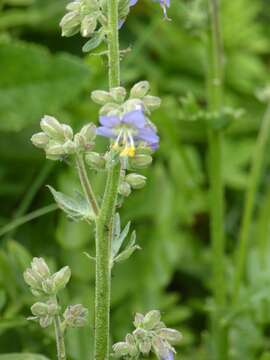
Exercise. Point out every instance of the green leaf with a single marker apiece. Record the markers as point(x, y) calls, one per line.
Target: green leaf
point(119, 237)
point(22, 357)
point(36, 82)
point(75, 208)
point(129, 250)
point(94, 42)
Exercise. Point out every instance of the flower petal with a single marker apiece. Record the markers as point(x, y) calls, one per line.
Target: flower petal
point(135, 118)
point(121, 23)
point(148, 135)
point(105, 131)
point(169, 357)
point(133, 2)
point(109, 121)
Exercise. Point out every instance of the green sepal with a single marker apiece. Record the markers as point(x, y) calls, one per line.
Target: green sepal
point(95, 41)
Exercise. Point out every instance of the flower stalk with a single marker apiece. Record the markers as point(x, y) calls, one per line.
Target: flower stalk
point(86, 185)
point(59, 336)
point(105, 219)
point(215, 138)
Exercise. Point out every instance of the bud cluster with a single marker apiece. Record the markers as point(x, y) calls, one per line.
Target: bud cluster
point(42, 282)
point(90, 18)
point(115, 102)
point(58, 140)
point(151, 334)
point(83, 16)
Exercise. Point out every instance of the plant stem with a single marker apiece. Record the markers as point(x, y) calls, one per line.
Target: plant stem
point(104, 228)
point(105, 219)
point(257, 162)
point(60, 343)
point(87, 188)
point(215, 138)
point(113, 44)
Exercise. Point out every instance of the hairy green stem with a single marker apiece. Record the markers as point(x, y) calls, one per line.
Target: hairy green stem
point(59, 335)
point(257, 162)
point(105, 219)
point(104, 229)
point(215, 138)
point(113, 44)
point(87, 188)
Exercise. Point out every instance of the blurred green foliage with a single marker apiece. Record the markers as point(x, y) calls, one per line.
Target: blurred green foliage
point(42, 73)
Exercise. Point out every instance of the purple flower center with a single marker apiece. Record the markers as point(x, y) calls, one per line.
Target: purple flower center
point(127, 131)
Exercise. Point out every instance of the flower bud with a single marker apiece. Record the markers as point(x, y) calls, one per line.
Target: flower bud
point(74, 5)
point(140, 89)
point(76, 315)
point(161, 348)
point(141, 161)
point(140, 333)
point(124, 189)
point(55, 150)
point(89, 132)
point(53, 308)
point(52, 128)
point(131, 341)
point(138, 320)
point(88, 25)
point(101, 97)
point(95, 160)
point(39, 309)
point(151, 319)
point(151, 102)
point(145, 346)
point(61, 278)
point(133, 104)
point(40, 267)
point(31, 279)
point(40, 140)
point(48, 286)
point(85, 138)
point(70, 23)
point(68, 132)
point(37, 293)
point(171, 335)
point(45, 321)
point(118, 94)
point(136, 181)
point(121, 349)
point(69, 147)
point(79, 141)
point(109, 109)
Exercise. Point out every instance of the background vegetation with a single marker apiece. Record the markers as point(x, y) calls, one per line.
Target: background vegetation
point(44, 73)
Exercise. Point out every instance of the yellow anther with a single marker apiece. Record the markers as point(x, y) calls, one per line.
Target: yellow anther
point(128, 151)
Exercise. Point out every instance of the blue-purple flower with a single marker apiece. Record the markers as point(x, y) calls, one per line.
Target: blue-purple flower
point(169, 357)
point(127, 131)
